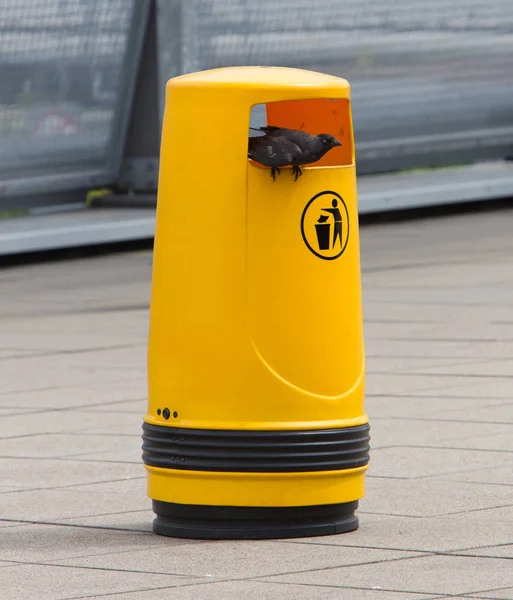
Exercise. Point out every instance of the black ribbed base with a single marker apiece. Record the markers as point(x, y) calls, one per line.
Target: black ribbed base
point(252, 523)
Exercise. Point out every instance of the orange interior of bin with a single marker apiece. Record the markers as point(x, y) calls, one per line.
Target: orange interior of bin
point(315, 116)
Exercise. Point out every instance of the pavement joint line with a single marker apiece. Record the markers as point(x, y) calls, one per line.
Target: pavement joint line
point(152, 589)
point(18, 414)
point(446, 476)
point(359, 564)
point(78, 455)
point(72, 458)
point(65, 313)
point(410, 446)
point(108, 412)
point(73, 485)
point(473, 510)
point(92, 460)
point(426, 392)
point(432, 419)
point(455, 552)
point(348, 587)
point(508, 402)
point(79, 432)
point(258, 579)
point(373, 589)
point(363, 547)
point(30, 390)
point(428, 264)
point(480, 556)
point(388, 514)
point(103, 554)
point(341, 566)
point(370, 476)
point(507, 587)
point(409, 321)
point(460, 361)
point(92, 431)
point(474, 482)
point(419, 396)
point(65, 409)
point(430, 374)
point(82, 525)
point(465, 341)
point(469, 359)
point(437, 476)
point(72, 433)
point(39, 354)
point(89, 568)
point(460, 449)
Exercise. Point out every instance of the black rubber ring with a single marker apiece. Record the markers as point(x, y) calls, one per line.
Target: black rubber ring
point(255, 451)
point(253, 523)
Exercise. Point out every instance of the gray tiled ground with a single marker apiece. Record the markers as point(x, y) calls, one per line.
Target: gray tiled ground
point(437, 520)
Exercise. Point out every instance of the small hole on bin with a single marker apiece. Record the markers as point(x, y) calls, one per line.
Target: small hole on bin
point(175, 414)
point(159, 411)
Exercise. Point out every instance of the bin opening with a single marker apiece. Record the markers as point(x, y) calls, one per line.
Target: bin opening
point(331, 116)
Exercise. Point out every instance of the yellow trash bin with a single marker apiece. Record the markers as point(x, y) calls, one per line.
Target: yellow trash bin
point(255, 425)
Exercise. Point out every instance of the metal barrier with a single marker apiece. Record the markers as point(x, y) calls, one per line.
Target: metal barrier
point(67, 70)
point(431, 83)
point(83, 84)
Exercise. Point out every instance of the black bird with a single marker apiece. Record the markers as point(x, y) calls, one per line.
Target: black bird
point(273, 151)
point(312, 147)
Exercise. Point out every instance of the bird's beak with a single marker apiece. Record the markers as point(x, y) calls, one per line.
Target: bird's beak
point(337, 143)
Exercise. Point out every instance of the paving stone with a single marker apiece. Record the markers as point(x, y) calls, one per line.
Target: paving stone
point(60, 445)
point(424, 575)
point(495, 551)
point(442, 534)
point(41, 543)
point(431, 497)
point(138, 520)
point(438, 433)
point(446, 349)
point(239, 559)
point(52, 505)
point(23, 474)
point(48, 582)
point(414, 462)
point(58, 421)
point(502, 594)
point(439, 342)
point(501, 440)
point(435, 406)
point(74, 398)
point(501, 512)
point(250, 590)
point(495, 476)
point(401, 383)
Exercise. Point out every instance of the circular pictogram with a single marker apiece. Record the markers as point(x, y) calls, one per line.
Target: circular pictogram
point(325, 225)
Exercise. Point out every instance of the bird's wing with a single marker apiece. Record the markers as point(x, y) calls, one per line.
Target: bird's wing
point(272, 151)
point(255, 144)
point(283, 149)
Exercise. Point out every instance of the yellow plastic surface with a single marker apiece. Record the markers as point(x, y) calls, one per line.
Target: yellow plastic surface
point(249, 329)
point(256, 489)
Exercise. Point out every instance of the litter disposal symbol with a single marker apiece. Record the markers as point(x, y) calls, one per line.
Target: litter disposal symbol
point(325, 225)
